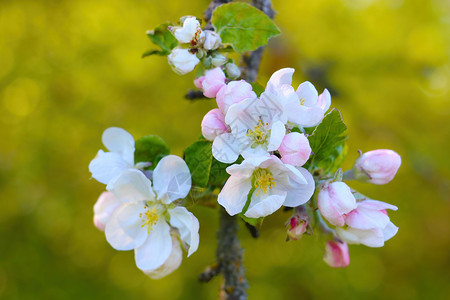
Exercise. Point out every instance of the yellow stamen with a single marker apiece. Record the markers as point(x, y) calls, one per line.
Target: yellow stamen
point(302, 101)
point(259, 133)
point(150, 217)
point(263, 180)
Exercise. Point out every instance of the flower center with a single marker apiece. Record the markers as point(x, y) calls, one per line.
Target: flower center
point(263, 181)
point(260, 133)
point(150, 217)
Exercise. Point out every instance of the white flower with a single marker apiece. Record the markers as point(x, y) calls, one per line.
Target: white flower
point(257, 127)
point(191, 32)
point(304, 107)
point(172, 262)
point(108, 165)
point(182, 61)
point(212, 40)
point(146, 215)
point(368, 224)
point(273, 184)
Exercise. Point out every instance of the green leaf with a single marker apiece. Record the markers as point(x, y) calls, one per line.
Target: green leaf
point(162, 37)
point(257, 88)
point(242, 26)
point(198, 157)
point(328, 143)
point(257, 222)
point(154, 52)
point(150, 148)
point(218, 174)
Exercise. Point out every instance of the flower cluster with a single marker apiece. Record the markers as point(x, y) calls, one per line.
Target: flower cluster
point(138, 211)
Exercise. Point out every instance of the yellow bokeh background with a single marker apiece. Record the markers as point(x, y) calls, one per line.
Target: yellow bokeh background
point(70, 69)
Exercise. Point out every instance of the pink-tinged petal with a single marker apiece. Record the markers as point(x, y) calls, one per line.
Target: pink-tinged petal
point(107, 165)
point(154, 252)
point(187, 225)
point(335, 201)
point(124, 229)
point(119, 140)
point(324, 101)
point(213, 124)
point(279, 78)
point(295, 149)
point(225, 148)
point(198, 82)
point(362, 218)
point(377, 166)
point(213, 82)
point(104, 208)
point(336, 254)
point(234, 194)
point(262, 204)
point(308, 94)
point(301, 193)
point(172, 262)
point(234, 92)
point(171, 178)
point(277, 133)
point(132, 186)
point(389, 231)
point(376, 205)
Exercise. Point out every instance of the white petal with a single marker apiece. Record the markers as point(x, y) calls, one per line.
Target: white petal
point(389, 231)
point(187, 225)
point(271, 108)
point(307, 92)
point(234, 194)
point(132, 186)
point(243, 115)
point(119, 140)
point(280, 77)
point(124, 229)
point(156, 249)
point(171, 178)
point(104, 208)
point(225, 148)
point(376, 205)
point(370, 238)
point(172, 262)
point(107, 165)
point(262, 205)
point(303, 115)
point(301, 193)
point(277, 133)
point(324, 101)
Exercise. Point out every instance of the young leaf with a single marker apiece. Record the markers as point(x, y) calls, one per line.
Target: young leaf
point(243, 26)
point(150, 148)
point(198, 157)
point(162, 37)
point(328, 143)
point(257, 88)
point(153, 52)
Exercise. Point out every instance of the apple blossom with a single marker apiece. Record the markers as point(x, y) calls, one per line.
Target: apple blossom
point(234, 92)
point(377, 166)
point(191, 32)
point(107, 165)
point(146, 216)
point(368, 224)
point(213, 124)
point(295, 149)
point(182, 60)
point(172, 262)
point(212, 82)
point(336, 200)
point(212, 40)
point(298, 224)
point(257, 126)
point(104, 208)
point(271, 184)
point(336, 254)
point(304, 107)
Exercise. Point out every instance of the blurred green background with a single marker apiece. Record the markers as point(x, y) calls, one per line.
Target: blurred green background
point(70, 69)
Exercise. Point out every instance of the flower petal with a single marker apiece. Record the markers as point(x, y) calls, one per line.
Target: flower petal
point(107, 165)
point(121, 141)
point(171, 178)
point(124, 229)
point(377, 205)
point(172, 262)
point(225, 148)
point(370, 238)
point(307, 92)
point(234, 194)
point(324, 101)
point(154, 252)
point(104, 208)
point(277, 133)
point(362, 218)
point(389, 231)
point(132, 186)
point(303, 115)
point(262, 205)
point(301, 193)
point(279, 78)
point(187, 225)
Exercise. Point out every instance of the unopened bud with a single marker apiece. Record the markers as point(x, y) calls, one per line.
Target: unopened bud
point(335, 201)
point(336, 254)
point(377, 166)
point(218, 59)
point(232, 70)
point(212, 40)
point(298, 224)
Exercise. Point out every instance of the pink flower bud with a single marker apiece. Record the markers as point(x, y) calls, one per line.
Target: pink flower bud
point(295, 149)
point(335, 201)
point(104, 208)
point(377, 166)
point(198, 82)
point(213, 124)
point(234, 92)
point(214, 80)
point(296, 228)
point(336, 254)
